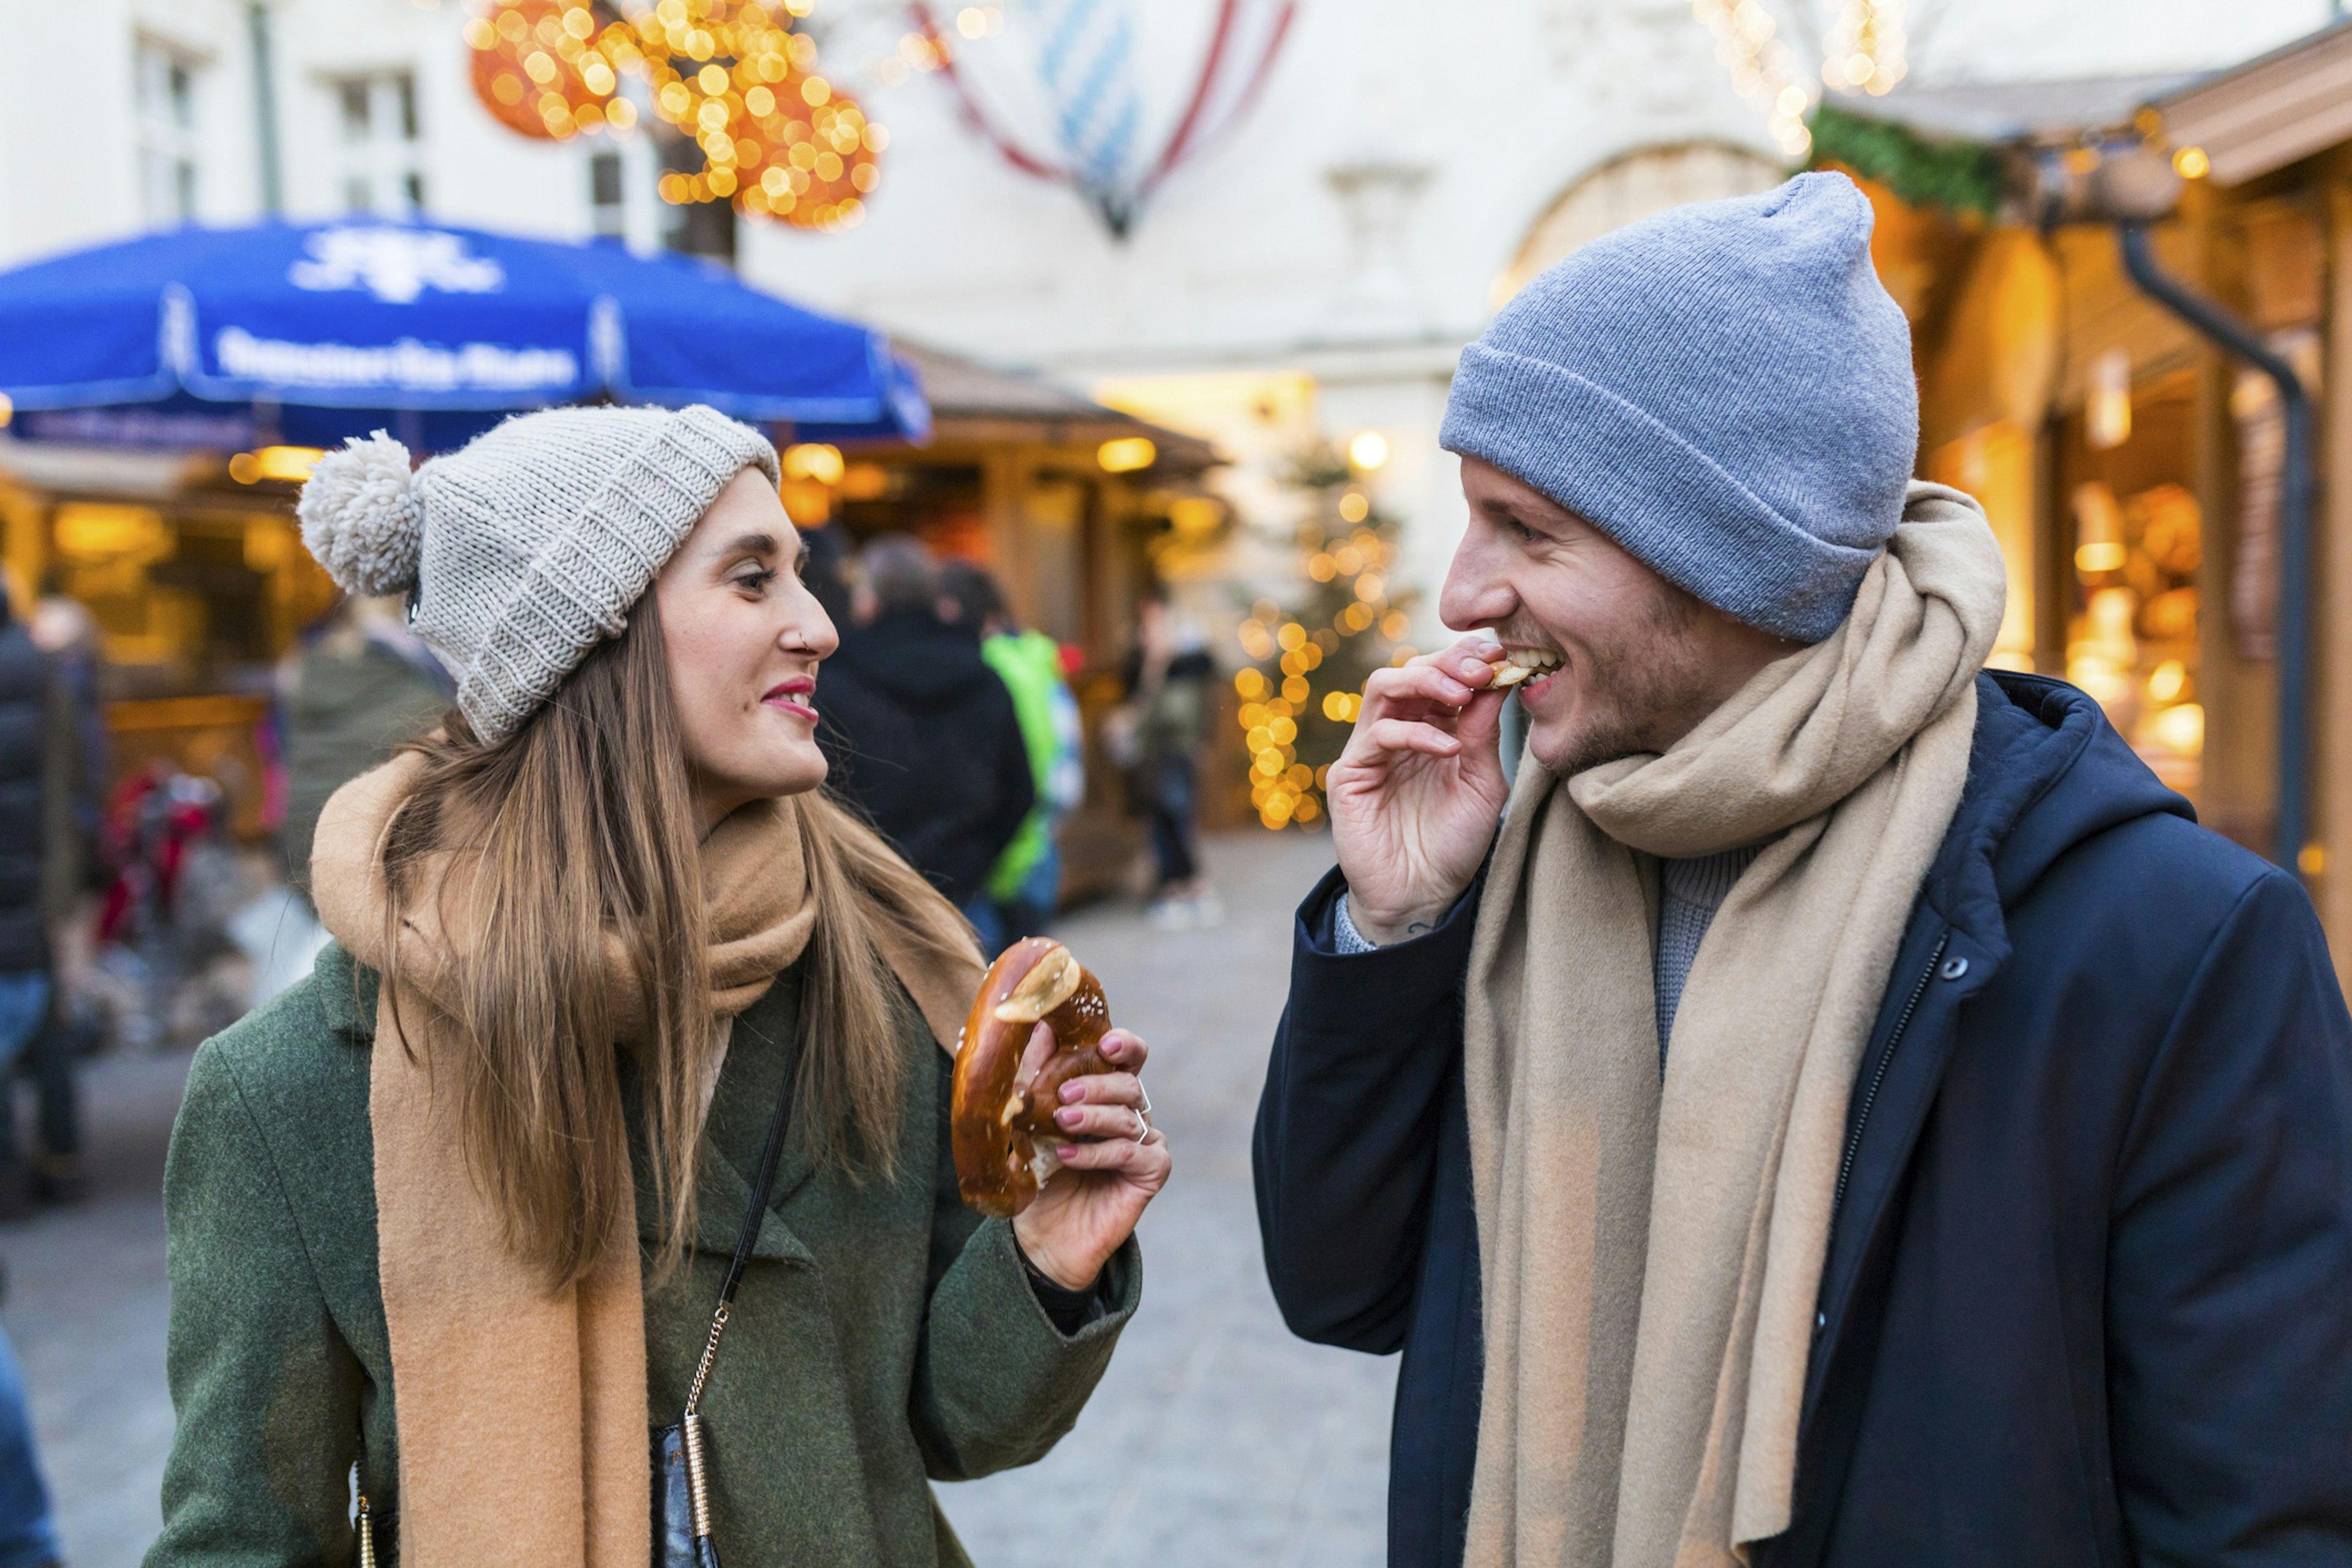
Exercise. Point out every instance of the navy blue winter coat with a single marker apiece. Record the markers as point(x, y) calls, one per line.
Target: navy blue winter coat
point(2088, 1299)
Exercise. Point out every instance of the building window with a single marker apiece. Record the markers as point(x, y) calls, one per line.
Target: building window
point(167, 134)
point(377, 145)
point(697, 228)
point(606, 208)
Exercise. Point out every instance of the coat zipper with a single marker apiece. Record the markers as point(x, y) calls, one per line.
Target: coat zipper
point(1886, 1059)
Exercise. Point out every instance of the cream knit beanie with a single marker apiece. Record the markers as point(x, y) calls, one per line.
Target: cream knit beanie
point(527, 547)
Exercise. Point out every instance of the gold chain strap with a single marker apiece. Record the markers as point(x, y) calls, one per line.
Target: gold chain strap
point(698, 1486)
point(710, 1349)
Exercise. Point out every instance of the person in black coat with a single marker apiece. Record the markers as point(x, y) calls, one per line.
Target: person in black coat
point(24, 699)
point(2085, 1295)
point(920, 735)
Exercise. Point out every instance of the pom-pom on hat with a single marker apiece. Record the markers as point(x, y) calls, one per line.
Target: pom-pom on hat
point(526, 548)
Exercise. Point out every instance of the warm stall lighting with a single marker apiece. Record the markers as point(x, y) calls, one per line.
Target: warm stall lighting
point(808, 502)
point(7, 410)
point(1126, 454)
point(1368, 450)
point(2098, 530)
point(2191, 164)
point(813, 460)
point(2181, 729)
point(864, 481)
point(2107, 415)
point(289, 463)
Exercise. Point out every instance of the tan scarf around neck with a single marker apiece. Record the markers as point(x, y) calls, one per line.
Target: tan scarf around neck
point(522, 1413)
point(1651, 1252)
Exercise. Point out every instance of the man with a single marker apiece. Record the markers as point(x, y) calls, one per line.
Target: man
point(1991, 1200)
point(920, 734)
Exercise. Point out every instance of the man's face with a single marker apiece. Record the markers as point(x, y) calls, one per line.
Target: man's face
point(1639, 660)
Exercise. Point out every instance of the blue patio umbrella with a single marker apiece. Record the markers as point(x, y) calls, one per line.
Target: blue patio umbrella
point(304, 334)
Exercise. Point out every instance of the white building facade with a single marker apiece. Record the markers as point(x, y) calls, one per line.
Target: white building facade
point(1310, 270)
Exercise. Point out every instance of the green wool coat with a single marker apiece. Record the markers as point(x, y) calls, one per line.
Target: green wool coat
point(883, 1333)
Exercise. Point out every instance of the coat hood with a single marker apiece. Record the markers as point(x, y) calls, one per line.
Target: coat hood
point(917, 660)
point(2047, 771)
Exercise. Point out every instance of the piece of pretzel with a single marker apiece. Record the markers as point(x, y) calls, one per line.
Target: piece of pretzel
point(1003, 1127)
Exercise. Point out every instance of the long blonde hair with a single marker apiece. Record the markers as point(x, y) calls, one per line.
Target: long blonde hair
point(576, 833)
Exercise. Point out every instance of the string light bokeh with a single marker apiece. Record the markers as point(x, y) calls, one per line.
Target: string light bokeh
point(1351, 563)
point(777, 139)
point(1863, 52)
point(540, 69)
point(1865, 49)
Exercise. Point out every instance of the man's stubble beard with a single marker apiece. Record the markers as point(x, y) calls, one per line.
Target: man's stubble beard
point(1643, 692)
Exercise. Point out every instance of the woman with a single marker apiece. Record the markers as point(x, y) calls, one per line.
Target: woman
point(458, 1209)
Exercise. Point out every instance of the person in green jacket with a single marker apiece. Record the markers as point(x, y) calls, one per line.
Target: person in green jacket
point(452, 1224)
point(1025, 886)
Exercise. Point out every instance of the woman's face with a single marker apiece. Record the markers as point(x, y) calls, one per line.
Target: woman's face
point(744, 637)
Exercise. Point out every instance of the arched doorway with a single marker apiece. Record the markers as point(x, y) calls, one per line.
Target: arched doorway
point(1629, 188)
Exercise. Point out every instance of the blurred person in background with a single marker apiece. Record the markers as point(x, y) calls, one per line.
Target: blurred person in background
point(79, 762)
point(360, 686)
point(921, 734)
point(1025, 886)
point(28, 1530)
point(355, 687)
point(75, 773)
point(1158, 736)
point(828, 571)
point(40, 873)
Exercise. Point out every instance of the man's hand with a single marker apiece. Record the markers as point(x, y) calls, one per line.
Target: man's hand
point(1415, 796)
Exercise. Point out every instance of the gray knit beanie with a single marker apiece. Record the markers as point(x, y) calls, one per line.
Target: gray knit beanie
point(1723, 389)
point(527, 547)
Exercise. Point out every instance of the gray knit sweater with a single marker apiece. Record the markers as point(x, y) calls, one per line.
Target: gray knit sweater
point(1689, 892)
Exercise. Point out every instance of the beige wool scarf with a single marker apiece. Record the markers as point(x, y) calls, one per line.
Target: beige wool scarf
point(1651, 1252)
point(523, 1418)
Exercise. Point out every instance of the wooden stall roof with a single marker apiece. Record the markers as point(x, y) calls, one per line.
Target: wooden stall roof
point(973, 403)
point(2264, 114)
point(1997, 111)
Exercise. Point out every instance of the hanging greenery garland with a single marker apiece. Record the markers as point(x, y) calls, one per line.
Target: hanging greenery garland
point(1956, 176)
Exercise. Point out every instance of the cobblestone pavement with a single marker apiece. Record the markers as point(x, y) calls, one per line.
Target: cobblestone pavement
point(1217, 1441)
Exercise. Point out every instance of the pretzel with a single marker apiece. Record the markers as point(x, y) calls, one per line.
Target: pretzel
point(997, 1121)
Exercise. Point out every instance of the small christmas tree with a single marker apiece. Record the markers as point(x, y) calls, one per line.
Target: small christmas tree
point(1322, 648)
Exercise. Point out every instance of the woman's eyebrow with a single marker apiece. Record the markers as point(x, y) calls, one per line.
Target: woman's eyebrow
point(764, 546)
